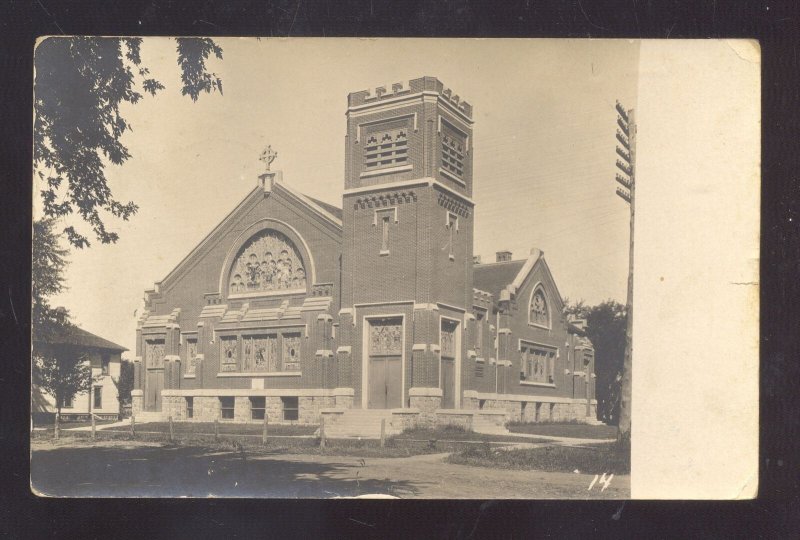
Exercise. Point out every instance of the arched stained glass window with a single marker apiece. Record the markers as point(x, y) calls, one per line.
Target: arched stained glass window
point(539, 312)
point(269, 261)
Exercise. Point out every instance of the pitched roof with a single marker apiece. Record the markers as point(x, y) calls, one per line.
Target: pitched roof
point(494, 277)
point(73, 335)
point(335, 210)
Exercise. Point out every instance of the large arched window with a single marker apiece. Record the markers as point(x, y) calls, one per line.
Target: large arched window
point(539, 310)
point(267, 262)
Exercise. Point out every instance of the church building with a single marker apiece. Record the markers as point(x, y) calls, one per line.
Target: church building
point(300, 310)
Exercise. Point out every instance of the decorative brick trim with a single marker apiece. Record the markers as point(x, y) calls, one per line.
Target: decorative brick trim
point(343, 391)
point(346, 311)
point(324, 353)
point(344, 349)
point(324, 317)
point(472, 354)
point(504, 331)
point(419, 347)
point(429, 307)
point(435, 348)
point(172, 358)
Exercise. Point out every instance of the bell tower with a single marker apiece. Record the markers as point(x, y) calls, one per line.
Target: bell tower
point(407, 244)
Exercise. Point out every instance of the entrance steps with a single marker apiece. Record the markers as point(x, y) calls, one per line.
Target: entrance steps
point(361, 423)
point(487, 426)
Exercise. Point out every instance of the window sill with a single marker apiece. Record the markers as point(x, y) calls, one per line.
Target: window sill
point(452, 177)
point(528, 383)
point(384, 253)
point(543, 327)
point(387, 170)
point(189, 376)
point(259, 374)
point(451, 257)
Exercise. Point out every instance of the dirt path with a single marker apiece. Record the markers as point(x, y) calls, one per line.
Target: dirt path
point(121, 468)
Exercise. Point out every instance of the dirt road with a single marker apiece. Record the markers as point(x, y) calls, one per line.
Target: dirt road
point(120, 469)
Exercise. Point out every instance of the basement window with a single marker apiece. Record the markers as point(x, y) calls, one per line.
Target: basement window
point(189, 407)
point(258, 407)
point(226, 404)
point(291, 408)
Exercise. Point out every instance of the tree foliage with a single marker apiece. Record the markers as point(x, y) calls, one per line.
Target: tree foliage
point(48, 261)
point(605, 327)
point(62, 372)
point(80, 85)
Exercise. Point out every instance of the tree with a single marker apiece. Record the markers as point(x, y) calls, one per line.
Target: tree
point(124, 383)
point(62, 372)
point(605, 327)
point(48, 261)
point(80, 84)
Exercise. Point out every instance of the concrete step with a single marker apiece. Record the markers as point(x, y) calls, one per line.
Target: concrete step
point(361, 423)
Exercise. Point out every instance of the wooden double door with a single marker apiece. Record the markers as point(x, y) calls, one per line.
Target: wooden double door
point(153, 387)
point(385, 382)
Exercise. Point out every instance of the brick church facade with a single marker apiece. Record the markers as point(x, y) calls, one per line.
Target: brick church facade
point(297, 309)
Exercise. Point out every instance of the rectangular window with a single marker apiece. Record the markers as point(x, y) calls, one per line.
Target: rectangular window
point(537, 365)
point(229, 353)
point(226, 404)
point(189, 407)
point(68, 403)
point(260, 353)
point(290, 351)
point(386, 149)
point(291, 408)
point(479, 317)
point(384, 234)
point(452, 231)
point(98, 397)
point(479, 369)
point(190, 356)
point(105, 361)
point(258, 407)
point(453, 148)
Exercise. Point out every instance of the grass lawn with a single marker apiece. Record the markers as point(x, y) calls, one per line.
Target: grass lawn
point(565, 429)
point(591, 459)
point(251, 442)
point(70, 425)
point(456, 433)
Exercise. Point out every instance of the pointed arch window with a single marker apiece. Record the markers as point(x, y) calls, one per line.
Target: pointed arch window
point(539, 308)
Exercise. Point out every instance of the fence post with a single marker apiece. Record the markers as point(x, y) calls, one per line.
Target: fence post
point(94, 426)
point(383, 432)
point(322, 432)
point(133, 425)
point(56, 427)
point(171, 432)
point(264, 432)
point(216, 429)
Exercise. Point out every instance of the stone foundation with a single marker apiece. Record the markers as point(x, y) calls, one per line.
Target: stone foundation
point(535, 409)
point(343, 398)
point(137, 402)
point(427, 401)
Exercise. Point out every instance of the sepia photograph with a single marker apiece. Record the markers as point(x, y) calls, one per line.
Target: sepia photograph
point(345, 268)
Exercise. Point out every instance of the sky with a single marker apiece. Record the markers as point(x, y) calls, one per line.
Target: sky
point(544, 159)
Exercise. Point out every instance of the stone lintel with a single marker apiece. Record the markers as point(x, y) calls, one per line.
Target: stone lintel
point(418, 391)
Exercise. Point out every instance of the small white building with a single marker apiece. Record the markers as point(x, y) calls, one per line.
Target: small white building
point(105, 358)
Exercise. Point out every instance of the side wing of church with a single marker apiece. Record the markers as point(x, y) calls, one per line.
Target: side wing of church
point(298, 310)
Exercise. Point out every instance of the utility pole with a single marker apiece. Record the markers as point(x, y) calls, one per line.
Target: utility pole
point(626, 136)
